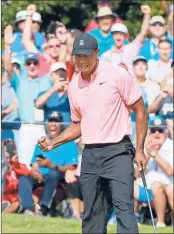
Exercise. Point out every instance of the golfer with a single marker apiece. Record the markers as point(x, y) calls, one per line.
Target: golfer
point(101, 97)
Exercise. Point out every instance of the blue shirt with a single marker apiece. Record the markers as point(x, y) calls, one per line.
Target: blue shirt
point(27, 91)
point(133, 116)
point(17, 45)
point(104, 43)
point(63, 155)
point(56, 103)
point(150, 50)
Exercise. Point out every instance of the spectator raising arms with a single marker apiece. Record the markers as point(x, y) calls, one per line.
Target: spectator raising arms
point(55, 49)
point(27, 86)
point(158, 30)
point(93, 23)
point(20, 21)
point(125, 54)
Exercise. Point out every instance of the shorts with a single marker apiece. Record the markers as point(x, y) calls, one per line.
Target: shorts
point(73, 190)
point(142, 195)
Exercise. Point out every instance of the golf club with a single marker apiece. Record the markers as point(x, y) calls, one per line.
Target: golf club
point(145, 186)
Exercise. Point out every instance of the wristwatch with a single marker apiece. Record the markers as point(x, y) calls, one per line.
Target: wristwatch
point(154, 154)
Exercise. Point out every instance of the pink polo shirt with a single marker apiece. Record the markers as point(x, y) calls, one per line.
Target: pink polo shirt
point(101, 104)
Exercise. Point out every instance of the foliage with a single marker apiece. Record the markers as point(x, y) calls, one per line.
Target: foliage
point(77, 13)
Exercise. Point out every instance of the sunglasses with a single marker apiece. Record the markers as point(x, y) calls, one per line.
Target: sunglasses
point(32, 62)
point(160, 130)
point(52, 46)
point(158, 24)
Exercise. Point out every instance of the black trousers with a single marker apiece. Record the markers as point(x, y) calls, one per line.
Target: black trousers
point(107, 170)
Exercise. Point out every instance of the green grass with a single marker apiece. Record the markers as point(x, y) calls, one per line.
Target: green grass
point(28, 224)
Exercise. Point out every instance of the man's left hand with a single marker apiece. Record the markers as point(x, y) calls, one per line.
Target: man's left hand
point(141, 160)
point(44, 162)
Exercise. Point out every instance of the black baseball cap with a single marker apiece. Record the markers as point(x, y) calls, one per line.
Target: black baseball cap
point(84, 44)
point(55, 117)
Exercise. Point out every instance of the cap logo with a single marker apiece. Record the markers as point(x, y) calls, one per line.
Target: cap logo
point(157, 122)
point(54, 114)
point(81, 42)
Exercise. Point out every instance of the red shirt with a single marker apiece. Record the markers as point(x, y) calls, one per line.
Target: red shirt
point(44, 67)
point(93, 24)
point(11, 186)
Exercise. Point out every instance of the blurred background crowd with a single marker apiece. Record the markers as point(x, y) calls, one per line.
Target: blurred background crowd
point(37, 68)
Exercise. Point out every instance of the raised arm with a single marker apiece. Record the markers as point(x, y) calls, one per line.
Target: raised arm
point(146, 10)
point(27, 33)
point(8, 40)
point(165, 7)
point(61, 34)
point(44, 97)
point(154, 107)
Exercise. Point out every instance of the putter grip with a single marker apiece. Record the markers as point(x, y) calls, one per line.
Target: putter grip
point(143, 178)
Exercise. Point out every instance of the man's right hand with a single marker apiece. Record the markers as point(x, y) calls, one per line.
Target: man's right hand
point(8, 35)
point(31, 9)
point(45, 144)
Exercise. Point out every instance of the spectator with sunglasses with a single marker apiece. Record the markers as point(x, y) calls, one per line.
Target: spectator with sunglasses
point(27, 86)
point(158, 30)
point(160, 150)
point(54, 50)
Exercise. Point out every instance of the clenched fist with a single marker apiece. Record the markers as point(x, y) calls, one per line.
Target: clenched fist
point(145, 9)
point(45, 144)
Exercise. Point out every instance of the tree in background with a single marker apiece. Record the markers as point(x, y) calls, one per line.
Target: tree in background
point(77, 13)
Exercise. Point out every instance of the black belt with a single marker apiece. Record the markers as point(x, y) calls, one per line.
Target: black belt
point(125, 138)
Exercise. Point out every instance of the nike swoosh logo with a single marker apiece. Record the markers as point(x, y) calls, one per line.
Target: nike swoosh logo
point(102, 83)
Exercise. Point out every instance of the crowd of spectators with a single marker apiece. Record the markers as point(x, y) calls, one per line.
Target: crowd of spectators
point(37, 70)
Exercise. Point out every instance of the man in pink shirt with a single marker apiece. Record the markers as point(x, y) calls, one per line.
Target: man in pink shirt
point(121, 53)
point(101, 97)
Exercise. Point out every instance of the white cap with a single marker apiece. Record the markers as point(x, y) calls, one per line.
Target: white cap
point(20, 16)
point(118, 27)
point(157, 18)
point(105, 11)
point(37, 17)
point(57, 66)
point(15, 60)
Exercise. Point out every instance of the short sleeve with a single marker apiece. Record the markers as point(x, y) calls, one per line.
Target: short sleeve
point(126, 85)
point(75, 112)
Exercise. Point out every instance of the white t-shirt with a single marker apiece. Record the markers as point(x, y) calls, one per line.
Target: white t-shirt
point(154, 172)
point(166, 152)
point(152, 90)
point(157, 71)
